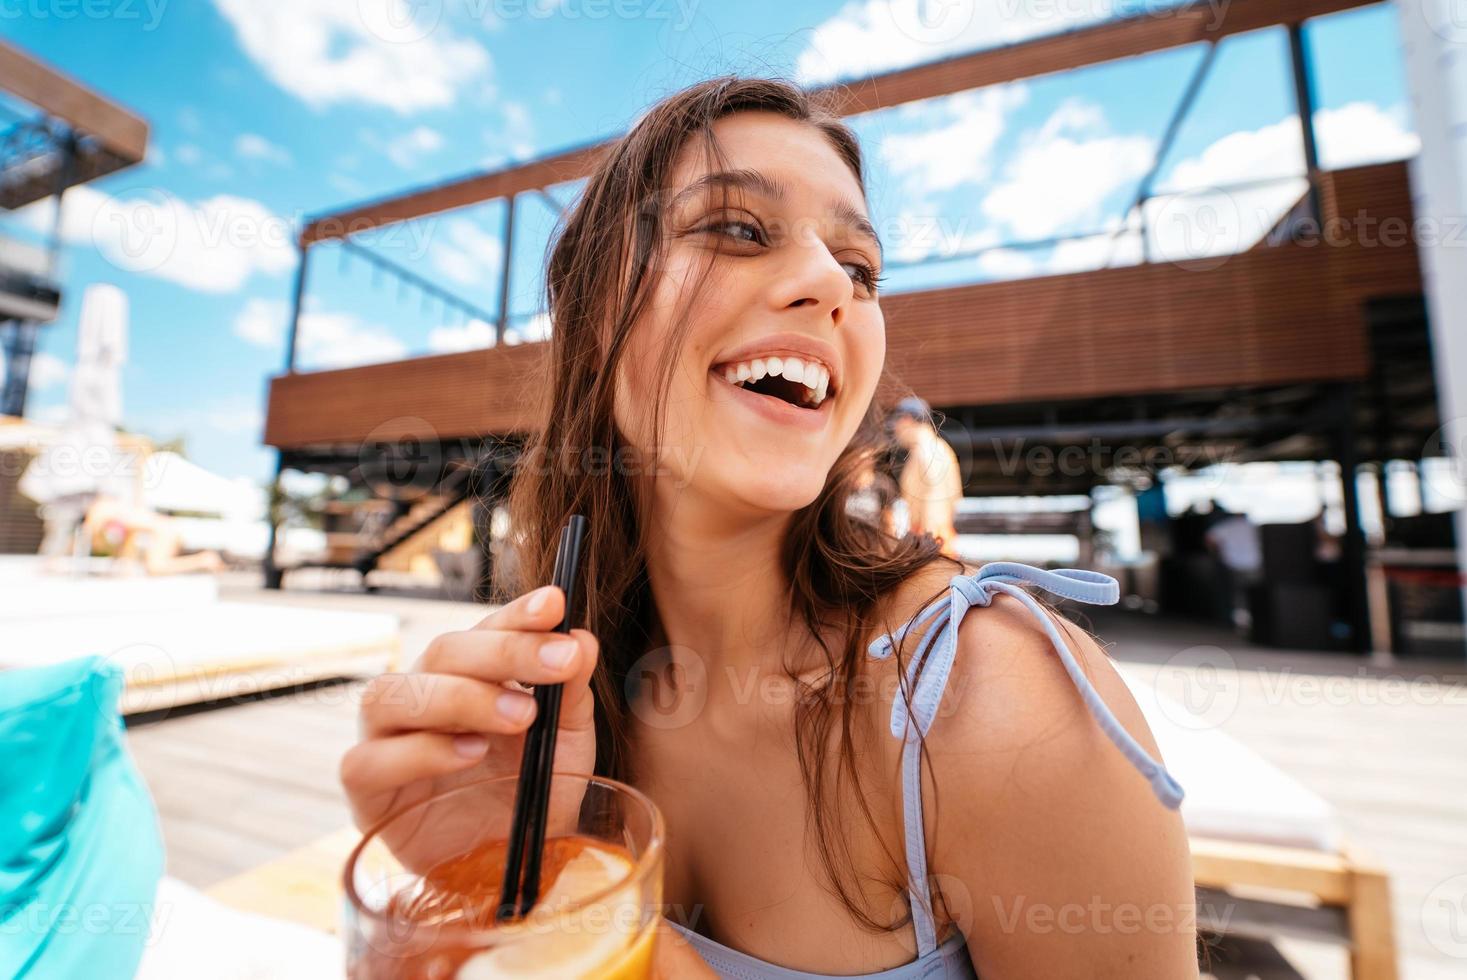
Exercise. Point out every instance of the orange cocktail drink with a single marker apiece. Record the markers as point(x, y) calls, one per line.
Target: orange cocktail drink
point(423, 886)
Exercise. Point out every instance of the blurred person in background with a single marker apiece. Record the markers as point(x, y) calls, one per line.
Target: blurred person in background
point(1236, 544)
point(874, 495)
point(930, 482)
point(139, 538)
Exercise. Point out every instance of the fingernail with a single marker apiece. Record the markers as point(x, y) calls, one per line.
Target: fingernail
point(538, 599)
point(515, 707)
point(558, 654)
point(470, 746)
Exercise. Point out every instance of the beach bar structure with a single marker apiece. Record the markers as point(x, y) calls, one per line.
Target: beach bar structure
point(55, 133)
point(1313, 344)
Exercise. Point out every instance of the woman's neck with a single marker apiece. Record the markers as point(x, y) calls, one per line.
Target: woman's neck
point(718, 585)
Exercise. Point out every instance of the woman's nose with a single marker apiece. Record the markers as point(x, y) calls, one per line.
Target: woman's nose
point(813, 277)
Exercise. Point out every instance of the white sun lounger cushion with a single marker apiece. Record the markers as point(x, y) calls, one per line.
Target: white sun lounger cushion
point(154, 644)
point(1232, 792)
point(193, 936)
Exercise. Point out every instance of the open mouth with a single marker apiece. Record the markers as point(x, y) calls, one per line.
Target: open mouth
point(803, 384)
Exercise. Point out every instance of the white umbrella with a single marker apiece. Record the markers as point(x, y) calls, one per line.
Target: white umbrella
point(84, 461)
point(177, 485)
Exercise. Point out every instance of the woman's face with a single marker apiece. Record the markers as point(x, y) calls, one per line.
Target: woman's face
point(789, 307)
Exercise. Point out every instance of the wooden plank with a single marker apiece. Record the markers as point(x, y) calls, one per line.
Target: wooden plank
point(1372, 932)
point(1231, 864)
point(55, 94)
point(546, 172)
point(304, 886)
point(1125, 38)
point(1143, 34)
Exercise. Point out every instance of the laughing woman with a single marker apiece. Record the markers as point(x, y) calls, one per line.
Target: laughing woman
point(831, 808)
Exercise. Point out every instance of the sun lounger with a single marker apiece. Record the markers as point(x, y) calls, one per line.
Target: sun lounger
point(1269, 855)
point(193, 935)
point(178, 644)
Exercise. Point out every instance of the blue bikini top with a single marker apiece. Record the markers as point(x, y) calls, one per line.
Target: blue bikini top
point(926, 678)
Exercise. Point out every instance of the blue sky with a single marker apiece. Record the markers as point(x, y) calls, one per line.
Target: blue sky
point(265, 112)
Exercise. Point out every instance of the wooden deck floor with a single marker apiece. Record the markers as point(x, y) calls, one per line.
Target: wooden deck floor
point(242, 783)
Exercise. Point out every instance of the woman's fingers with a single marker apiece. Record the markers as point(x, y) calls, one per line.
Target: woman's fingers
point(540, 609)
point(577, 706)
point(390, 763)
point(500, 655)
point(442, 702)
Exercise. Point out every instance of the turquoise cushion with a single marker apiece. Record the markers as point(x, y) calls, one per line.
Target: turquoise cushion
point(80, 847)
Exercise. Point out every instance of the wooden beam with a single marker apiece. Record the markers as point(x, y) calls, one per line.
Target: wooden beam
point(1126, 38)
point(55, 94)
point(545, 172)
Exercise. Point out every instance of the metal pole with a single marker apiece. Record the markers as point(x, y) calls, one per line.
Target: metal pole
point(1353, 546)
point(295, 307)
point(274, 575)
point(64, 177)
point(1304, 101)
point(503, 323)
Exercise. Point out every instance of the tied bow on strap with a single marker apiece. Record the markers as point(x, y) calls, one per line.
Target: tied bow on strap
point(938, 648)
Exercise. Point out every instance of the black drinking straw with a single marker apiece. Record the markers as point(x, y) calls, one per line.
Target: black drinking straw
point(532, 793)
point(540, 800)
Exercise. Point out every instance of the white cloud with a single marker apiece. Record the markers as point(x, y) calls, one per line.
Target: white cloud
point(1007, 263)
point(515, 136)
point(235, 417)
point(324, 339)
point(1198, 221)
point(408, 148)
point(1064, 173)
point(470, 256)
point(1117, 248)
point(256, 147)
point(387, 53)
point(1359, 133)
point(957, 150)
point(869, 36)
point(47, 371)
point(54, 414)
point(261, 322)
point(1349, 136)
point(214, 245)
point(346, 184)
point(470, 336)
point(339, 340)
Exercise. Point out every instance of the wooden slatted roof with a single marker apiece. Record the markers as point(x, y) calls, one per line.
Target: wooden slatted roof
point(1128, 37)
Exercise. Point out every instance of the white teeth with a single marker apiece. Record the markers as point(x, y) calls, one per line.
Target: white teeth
point(812, 375)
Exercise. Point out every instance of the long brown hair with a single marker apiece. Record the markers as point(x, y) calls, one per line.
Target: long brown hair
point(601, 270)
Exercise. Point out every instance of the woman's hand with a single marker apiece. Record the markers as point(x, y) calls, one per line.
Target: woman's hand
point(456, 719)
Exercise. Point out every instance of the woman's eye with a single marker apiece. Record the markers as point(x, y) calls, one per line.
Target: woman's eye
point(864, 274)
point(742, 230)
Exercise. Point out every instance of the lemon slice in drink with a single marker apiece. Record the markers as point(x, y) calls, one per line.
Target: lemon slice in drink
point(583, 942)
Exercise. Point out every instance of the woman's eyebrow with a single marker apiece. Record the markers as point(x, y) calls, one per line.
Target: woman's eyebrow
point(758, 183)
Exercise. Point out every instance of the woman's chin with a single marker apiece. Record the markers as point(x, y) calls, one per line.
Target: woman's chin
point(779, 492)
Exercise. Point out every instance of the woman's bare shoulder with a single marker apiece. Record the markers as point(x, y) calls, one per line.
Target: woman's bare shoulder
point(915, 592)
